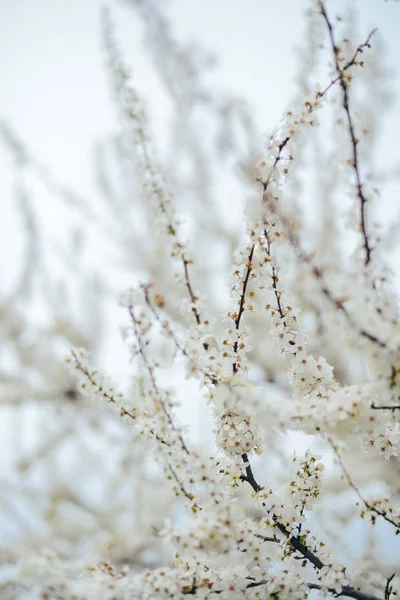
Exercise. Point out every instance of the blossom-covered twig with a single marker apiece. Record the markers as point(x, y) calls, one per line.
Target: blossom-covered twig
point(370, 507)
point(150, 370)
point(344, 84)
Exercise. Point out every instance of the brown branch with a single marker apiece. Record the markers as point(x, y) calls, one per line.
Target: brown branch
point(187, 494)
point(165, 326)
point(395, 407)
point(293, 541)
point(193, 298)
point(351, 62)
point(150, 371)
point(348, 591)
point(281, 146)
point(111, 399)
point(350, 125)
point(171, 230)
point(249, 477)
point(318, 274)
point(274, 278)
point(242, 303)
point(351, 483)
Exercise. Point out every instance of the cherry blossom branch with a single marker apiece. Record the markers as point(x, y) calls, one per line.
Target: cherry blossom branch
point(350, 125)
point(348, 591)
point(311, 107)
point(188, 284)
point(397, 407)
point(170, 333)
point(150, 371)
point(352, 61)
point(275, 278)
point(109, 397)
point(163, 324)
point(182, 488)
point(171, 230)
point(153, 179)
point(318, 274)
point(367, 505)
point(296, 542)
point(293, 541)
point(237, 318)
point(281, 147)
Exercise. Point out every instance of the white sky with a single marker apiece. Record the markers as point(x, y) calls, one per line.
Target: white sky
point(54, 86)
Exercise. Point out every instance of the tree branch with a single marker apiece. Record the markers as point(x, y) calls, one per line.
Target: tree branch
point(350, 125)
point(297, 544)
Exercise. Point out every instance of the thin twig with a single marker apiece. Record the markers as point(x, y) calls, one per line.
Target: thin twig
point(375, 407)
point(249, 268)
point(111, 399)
point(318, 274)
point(170, 333)
point(350, 125)
point(351, 483)
point(150, 371)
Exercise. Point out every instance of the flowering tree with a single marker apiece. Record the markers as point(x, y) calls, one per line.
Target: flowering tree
point(294, 349)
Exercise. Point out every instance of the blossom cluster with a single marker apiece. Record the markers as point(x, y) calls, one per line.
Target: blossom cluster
point(235, 432)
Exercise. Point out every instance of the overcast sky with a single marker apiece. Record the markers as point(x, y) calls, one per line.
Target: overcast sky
point(54, 86)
